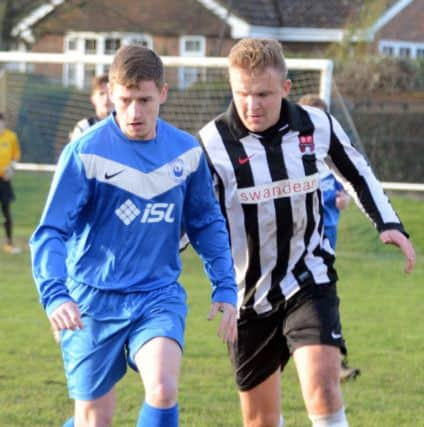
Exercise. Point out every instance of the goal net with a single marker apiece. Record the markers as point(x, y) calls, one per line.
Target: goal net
point(44, 95)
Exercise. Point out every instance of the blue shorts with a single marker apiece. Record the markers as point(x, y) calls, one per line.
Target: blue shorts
point(116, 326)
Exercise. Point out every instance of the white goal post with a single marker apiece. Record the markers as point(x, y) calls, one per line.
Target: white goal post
point(36, 87)
point(45, 94)
point(323, 66)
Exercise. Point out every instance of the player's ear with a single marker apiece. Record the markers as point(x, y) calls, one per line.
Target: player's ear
point(110, 90)
point(164, 93)
point(287, 85)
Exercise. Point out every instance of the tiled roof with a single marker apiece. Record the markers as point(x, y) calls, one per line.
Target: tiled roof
point(179, 17)
point(160, 17)
point(408, 25)
point(296, 13)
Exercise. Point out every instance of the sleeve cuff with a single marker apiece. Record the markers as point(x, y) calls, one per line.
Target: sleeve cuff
point(393, 226)
point(228, 296)
point(56, 303)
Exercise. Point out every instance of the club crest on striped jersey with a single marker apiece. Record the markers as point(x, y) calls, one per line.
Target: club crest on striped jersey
point(176, 168)
point(306, 142)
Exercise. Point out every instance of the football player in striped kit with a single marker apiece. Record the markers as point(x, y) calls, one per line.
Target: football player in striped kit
point(100, 100)
point(265, 154)
point(106, 252)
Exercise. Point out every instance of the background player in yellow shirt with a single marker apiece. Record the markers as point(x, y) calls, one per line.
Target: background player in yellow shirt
point(9, 154)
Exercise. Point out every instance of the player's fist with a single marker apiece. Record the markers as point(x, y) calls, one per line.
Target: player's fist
point(342, 200)
point(66, 316)
point(8, 173)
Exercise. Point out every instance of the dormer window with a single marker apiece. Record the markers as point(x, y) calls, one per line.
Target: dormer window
point(191, 46)
point(88, 43)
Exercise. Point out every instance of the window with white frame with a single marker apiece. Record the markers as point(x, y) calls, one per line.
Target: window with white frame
point(405, 52)
point(145, 40)
point(89, 43)
point(112, 44)
point(387, 50)
point(71, 74)
point(90, 46)
point(191, 46)
point(401, 49)
point(72, 44)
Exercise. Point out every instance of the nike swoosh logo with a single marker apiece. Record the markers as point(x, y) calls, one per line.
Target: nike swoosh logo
point(244, 160)
point(335, 335)
point(107, 176)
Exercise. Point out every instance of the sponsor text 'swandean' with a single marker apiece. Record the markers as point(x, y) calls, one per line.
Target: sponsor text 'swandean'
point(278, 189)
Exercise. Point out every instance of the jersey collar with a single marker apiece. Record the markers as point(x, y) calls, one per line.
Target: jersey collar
point(292, 114)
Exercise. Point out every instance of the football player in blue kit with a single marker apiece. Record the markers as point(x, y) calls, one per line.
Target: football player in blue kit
point(105, 254)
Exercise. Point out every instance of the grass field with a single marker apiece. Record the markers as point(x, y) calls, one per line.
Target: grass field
point(382, 312)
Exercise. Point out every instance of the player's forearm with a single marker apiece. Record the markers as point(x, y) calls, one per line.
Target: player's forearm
point(48, 253)
point(225, 291)
point(376, 204)
point(214, 249)
point(52, 295)
point(369, 193)
point(206, 229)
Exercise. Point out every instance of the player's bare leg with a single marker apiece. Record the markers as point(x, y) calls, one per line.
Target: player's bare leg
point(95, 413)
point(159, 362)
point(260, 406)
point(318, 368)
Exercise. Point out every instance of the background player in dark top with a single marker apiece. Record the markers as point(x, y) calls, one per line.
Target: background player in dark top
point(335, 199)
point(101, 102)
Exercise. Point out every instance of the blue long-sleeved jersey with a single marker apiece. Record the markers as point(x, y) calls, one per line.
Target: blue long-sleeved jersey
point(330, 187)
point(115, 211)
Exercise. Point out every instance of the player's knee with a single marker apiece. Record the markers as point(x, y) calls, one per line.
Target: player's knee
point(264, 420)
point(325, 397)
point(92, 416)
point(163, 394)
point(98, 420)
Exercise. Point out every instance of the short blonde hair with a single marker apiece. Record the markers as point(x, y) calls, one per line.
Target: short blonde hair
point(257, 54)
point(135, 63)
point(313, 100)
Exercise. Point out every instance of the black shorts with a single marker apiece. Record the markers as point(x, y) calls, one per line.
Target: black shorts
point(266, 342)
point(6, 192)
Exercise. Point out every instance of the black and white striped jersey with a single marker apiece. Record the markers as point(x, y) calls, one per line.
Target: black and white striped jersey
point(268, 189)
point(82, 126)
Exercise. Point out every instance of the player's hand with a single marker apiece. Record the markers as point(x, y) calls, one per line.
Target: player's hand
point(228, 326)
point(342, 200)
point(8, 173)
point(66, 316)
point(395, 237)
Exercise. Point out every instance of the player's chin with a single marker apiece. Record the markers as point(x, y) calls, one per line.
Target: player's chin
point(255, 125)
point(135, 131)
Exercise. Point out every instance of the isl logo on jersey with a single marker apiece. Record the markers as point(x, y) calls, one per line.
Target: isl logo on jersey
point(177, 169)
point(306, 142)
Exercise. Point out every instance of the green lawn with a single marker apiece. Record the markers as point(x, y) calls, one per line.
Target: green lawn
point(382, 312)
